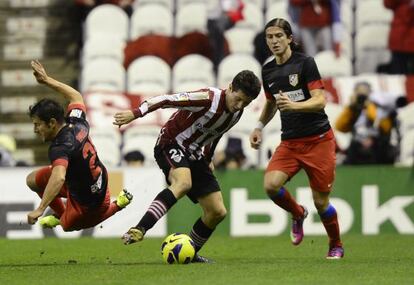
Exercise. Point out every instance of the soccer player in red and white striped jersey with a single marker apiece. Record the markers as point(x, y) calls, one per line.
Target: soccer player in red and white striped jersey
point(185, 147)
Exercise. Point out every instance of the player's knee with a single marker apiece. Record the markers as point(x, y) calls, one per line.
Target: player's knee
point(31, 181)
point(217, 214)
point(182, 186)
point(320, 204)
point(272, 187)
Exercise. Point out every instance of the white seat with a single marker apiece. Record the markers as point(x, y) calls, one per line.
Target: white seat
point(371, 12)
point(191, 18)
point(108, 151)
point(371, 47)
point(406, 118)
point(103, 75)
point(151, 19)
point(149, 75)
point(98, 23)
point(347, 16)
point(253, 18)
point(258, 3)
point(169, 4)
point(240, 40)
point(192, 72)
point(182, 3)
point(331, 66)
point(106, 133)
point(142, 138)
point(233, 64)
point(277, 9)
point(99, 46)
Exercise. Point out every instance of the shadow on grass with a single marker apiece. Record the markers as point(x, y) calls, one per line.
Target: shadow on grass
point(79, 263)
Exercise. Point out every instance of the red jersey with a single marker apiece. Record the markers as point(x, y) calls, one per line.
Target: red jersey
point(199, 123)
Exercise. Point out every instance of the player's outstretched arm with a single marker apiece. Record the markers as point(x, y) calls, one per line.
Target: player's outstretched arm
point(68, 92)
point(122, 118)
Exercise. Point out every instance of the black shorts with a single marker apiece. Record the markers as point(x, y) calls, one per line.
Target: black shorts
point(202, 178)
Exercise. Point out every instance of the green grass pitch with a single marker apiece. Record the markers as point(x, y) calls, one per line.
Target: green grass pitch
point(384, 259)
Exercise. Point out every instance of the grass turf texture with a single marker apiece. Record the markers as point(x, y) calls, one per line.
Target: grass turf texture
point(384, 259)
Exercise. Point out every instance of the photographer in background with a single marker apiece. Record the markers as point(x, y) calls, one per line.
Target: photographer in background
point(371, 120)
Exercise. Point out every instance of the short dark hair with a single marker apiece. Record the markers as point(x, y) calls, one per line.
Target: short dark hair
point(247, 82)
point(46, 109)
point(285, 26)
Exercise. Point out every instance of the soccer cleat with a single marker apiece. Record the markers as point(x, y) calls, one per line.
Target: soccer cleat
point(124, 198)
point(296, 233)
point(201, 259)
point(336, 252)
point(49, 221)
point(133, 235)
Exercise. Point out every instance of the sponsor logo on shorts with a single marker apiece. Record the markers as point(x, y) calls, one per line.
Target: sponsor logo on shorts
point(176, 154)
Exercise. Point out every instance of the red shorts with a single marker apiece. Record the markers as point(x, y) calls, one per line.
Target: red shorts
point(315, 154)
point(76, 216)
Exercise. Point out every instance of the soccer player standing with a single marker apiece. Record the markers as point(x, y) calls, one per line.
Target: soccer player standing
point(184, 150)
point(293, 85)
point(76, 173)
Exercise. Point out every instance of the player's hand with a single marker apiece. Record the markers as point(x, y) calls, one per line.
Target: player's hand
point(39, 71)
point(33, 216)
point(256, 138)
point(123, 118)
point(283, 102)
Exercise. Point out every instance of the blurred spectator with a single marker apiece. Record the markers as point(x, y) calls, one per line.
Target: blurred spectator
point(401, 37)
point(134, 158)
point(221, 16)
point(232, 157)
point(319, 24)
point(371, 120)
point(7, 147)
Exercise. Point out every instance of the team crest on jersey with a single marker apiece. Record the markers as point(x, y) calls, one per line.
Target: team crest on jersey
point(293, 79)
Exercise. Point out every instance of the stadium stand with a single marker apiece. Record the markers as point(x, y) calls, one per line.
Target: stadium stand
point(151, 19)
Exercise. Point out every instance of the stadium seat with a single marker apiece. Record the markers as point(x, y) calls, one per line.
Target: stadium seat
point(107, 47)
point(233, 64)
point(190, 18)
point(166, 3)
point(258, 3)
point(97, 23)
point(371, 12)
point(181, 3)
point(151, 19)
point(371, 47)
point(142, 138)
point(240, 40)
point(103, 75)
point(253, 18)
point(193, 43)
point(406, 118)
point(108, 151)
point(106, 133)
point(277, 9)
point(149, 75)
point(192, 72)
point(161, 46)
point(331, 66)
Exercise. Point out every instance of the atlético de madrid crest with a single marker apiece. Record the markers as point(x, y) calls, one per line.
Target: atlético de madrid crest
point(293, 79)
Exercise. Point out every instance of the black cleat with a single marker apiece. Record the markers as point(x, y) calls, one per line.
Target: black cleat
point(201, 259)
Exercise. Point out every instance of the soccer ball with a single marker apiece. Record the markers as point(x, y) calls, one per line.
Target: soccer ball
point(177, 249)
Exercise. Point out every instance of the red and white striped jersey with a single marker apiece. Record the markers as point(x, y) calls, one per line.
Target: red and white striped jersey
point(202, 118)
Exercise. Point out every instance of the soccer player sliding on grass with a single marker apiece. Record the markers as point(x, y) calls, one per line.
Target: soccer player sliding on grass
point(75, 173)
point(184, 150)
point(293, 85)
